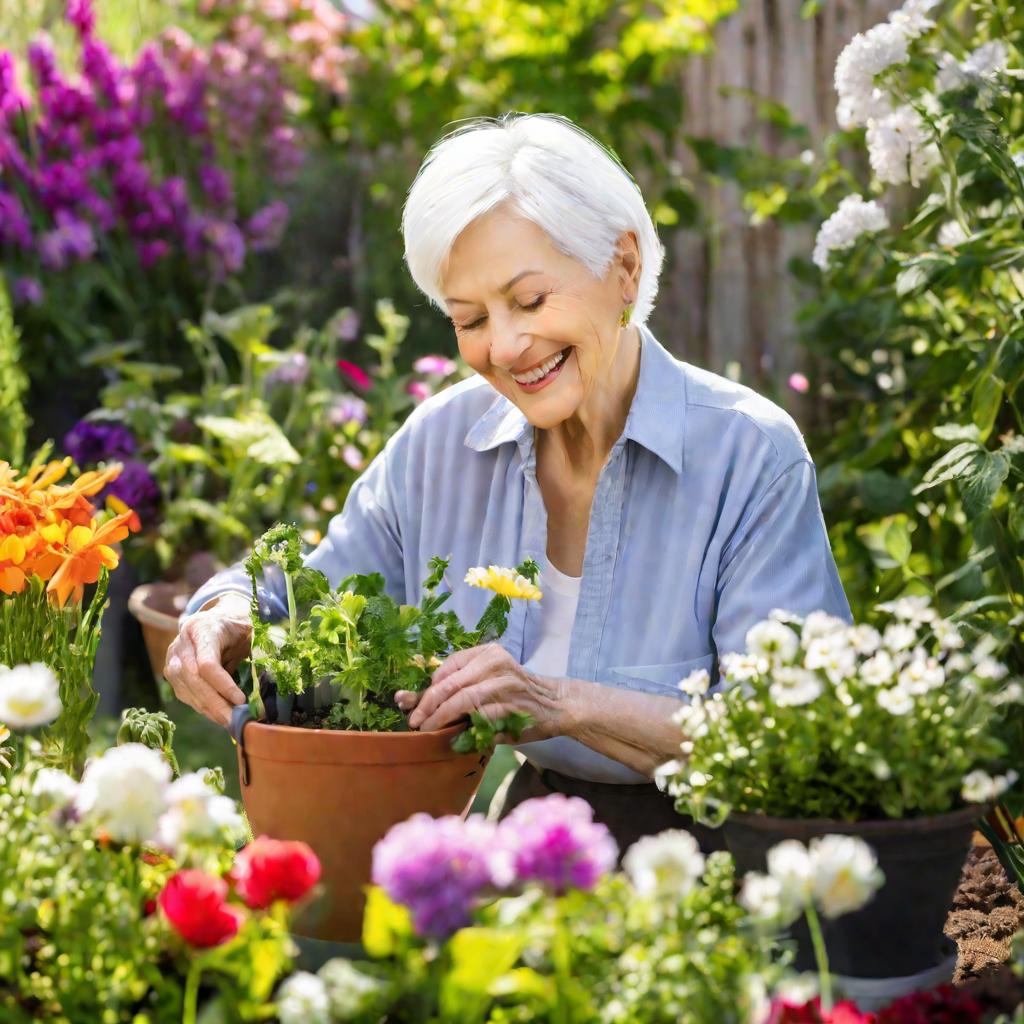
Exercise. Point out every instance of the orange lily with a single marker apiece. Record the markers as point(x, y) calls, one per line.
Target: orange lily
point(88, 552)
point(12, 556)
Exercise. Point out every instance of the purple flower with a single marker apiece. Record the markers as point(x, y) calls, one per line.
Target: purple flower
point(15, 228)
point(27, 291)
point(265, 227)
point(72, 239)
point(227, 247)
point(43, 62)
point(292, 370)
point(102, 70)
point(437, 867)
point(439, 365)
point(80, 14)
point(217, 186)
point(12, 99)
point(347, 409)
point(92, 441)
point(347, 325)
point(152, 252)
point(137, 488)
point(554, 840)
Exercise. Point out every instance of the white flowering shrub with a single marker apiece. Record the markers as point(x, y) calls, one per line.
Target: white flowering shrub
point(819, 719)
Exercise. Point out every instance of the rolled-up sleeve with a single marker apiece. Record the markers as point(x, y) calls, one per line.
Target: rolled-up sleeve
point(364, 537)
point(778, 557)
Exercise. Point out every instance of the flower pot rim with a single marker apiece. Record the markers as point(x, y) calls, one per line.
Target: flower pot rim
point(273, 729)
point(140, 607)
point(767, 822)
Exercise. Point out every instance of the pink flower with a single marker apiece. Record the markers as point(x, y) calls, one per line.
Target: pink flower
point(440, 365)
point(356, 376)
point(419, 389)
point(352, 457)
point(80, 14)
point(799, 383)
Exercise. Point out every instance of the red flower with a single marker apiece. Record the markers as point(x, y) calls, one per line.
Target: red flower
point(196, 905)
point(944, 1005)
point(272, 869)
point(783, 1012)
point(355, 375)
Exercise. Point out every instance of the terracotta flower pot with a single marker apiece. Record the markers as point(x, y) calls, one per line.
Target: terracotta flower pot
point(900, 932)
point(341, 792)
point(157, 606)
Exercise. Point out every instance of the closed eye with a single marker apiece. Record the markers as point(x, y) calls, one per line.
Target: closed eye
point(533, 306)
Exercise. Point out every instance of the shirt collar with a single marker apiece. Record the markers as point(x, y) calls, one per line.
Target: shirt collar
point(656, 420)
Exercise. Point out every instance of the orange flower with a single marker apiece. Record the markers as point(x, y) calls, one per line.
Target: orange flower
point(12, 557)
point(88, 551)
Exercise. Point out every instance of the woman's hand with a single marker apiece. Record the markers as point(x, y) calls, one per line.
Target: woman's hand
point(211, 643)
point(490, 680)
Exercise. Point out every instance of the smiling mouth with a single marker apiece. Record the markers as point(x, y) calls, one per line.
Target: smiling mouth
point(544, 373)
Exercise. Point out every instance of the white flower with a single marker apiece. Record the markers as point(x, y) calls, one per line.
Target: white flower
point(948, 634)
point(790, 864)
point(772, 640)
point(29, 695)
point(738, 668)
point(911, 19)
point(952, 234)
point(1012, 693)
point(196, 812)
point(980, 66)
point(781, 615)
point(895, 701)
point(799, 988)
point(921, 675)
point(979, 787)
point(793, 687)
point(846, 873)
point(900, 147)
point(349, 990)
point(53, 789)
point(692, 720)
point(833, 654)
point(762, 897)
point(898, 636)
point(853, 218)
point(878, 669)
point(864, 639)
point(913, 608)
point(881, 770)
point(696, 683)
point(867, 55)
point(302, 999)
point(665, 773)
point(986, 668)
point(123, 792)
point(667, 864)
point(821, 623)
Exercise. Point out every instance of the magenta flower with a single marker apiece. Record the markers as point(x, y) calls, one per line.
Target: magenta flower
point(799, 383)
point(355, 375)
point(554, 840)
point(439, 365)
point(437, 868)
point(419, 389)
point(80, 14)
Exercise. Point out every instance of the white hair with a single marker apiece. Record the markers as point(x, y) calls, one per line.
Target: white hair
point(552, 173)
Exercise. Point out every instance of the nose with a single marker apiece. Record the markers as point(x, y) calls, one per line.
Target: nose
point(508, 343)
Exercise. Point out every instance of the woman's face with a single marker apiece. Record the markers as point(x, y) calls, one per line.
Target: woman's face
point(533, 321)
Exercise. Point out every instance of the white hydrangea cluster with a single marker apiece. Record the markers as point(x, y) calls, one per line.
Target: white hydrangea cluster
point(838, 874)
point(854, 218)
point(900, 147)
point(667, 864)
point(978, 67)
point(865, 57)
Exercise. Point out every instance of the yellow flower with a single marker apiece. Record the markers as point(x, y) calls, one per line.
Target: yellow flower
point(506, 582)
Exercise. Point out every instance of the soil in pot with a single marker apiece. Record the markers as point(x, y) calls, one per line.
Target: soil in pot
point(900, 932)
point(341, 792)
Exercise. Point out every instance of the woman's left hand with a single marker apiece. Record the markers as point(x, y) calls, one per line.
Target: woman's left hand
point(488, 679)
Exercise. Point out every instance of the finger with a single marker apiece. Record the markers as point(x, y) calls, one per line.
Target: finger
point(198, 694)
point(407, 700)
point(478, 663)
point(459, 659)
point(469, 699)
point(211, 670)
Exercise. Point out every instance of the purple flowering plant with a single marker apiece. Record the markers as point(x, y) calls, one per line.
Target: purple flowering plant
point(133, 192)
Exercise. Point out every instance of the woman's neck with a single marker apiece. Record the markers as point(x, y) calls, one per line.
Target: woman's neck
point(583, 442)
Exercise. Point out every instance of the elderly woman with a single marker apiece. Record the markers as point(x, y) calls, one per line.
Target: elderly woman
point(669, 509)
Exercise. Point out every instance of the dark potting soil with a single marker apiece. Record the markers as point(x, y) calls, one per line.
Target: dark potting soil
point(988, 911)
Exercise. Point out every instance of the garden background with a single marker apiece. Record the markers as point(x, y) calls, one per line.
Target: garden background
point(204, 264)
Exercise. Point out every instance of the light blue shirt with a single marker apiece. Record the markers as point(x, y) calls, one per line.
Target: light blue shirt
point(705, 519)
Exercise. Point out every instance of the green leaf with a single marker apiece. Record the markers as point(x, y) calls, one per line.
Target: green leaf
point(387, 927)
point(957, 432)
point(479, 958)
point(985, 403)
point(958, 462)
point(982, 487)
point(897, 541)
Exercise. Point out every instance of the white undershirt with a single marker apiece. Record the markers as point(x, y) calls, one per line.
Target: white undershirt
point(557, 613)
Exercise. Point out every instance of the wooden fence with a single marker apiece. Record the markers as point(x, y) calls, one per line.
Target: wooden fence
point(726, 294)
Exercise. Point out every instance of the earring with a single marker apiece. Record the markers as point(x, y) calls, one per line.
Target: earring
point(626, 314)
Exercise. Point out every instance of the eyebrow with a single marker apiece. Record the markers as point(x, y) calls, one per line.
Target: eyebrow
point(503, 289)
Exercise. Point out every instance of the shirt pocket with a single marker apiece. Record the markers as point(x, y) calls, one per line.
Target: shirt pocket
point(661, 678)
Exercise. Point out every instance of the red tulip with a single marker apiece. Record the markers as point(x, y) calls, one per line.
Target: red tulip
point(355, 375)
point(783, 1012)
point(196, 905)
point(272, 869)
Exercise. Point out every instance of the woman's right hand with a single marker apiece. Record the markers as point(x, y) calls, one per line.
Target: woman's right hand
point(200, 659)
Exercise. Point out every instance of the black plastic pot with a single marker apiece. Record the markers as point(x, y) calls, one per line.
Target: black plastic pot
point(899, 932)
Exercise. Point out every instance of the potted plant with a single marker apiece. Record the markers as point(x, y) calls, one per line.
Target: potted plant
point(328, 758)
point(888, 734)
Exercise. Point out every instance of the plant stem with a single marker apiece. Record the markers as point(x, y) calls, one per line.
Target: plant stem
point(190, 1006)
point(562, 962)
point(820, 956)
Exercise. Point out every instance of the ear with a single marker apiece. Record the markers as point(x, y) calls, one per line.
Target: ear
point(631, 264)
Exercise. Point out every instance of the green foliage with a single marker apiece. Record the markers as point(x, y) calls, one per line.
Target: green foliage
point(152, 729)
point(688, 957)
point(13, 385)
point(361, 642)
point(32, 629)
